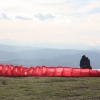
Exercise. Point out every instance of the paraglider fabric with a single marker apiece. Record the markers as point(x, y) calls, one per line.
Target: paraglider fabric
point(48, 71)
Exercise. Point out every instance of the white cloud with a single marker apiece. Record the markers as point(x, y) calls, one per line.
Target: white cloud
point(22, 17)
point(90, 6)
point(4, 16)
point(44, 17)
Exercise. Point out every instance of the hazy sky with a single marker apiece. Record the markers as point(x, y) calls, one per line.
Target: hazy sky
point(50, 21)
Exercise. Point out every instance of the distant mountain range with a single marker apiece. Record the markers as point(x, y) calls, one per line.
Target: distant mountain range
point(33, 56)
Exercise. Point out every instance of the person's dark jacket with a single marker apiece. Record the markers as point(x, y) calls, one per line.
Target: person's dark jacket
point(85, 62)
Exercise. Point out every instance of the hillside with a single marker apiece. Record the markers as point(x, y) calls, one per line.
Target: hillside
point(47, 56)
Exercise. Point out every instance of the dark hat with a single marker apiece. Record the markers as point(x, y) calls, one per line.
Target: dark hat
point(83, 56)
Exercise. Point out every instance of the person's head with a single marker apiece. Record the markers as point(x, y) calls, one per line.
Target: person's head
point(83, 57)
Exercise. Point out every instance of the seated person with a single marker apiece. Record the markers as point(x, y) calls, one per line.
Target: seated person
point(85, 62)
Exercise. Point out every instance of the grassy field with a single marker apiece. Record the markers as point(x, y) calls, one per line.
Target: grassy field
point(49, 88)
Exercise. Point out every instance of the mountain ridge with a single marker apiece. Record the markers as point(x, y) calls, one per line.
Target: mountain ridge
point(48, 57)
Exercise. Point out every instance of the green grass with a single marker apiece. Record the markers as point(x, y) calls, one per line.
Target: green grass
point(49, 88)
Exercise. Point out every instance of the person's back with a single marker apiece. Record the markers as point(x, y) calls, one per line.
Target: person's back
point(85, 62)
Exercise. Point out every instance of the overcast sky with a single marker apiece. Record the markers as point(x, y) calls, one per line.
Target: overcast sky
point(50, 21)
